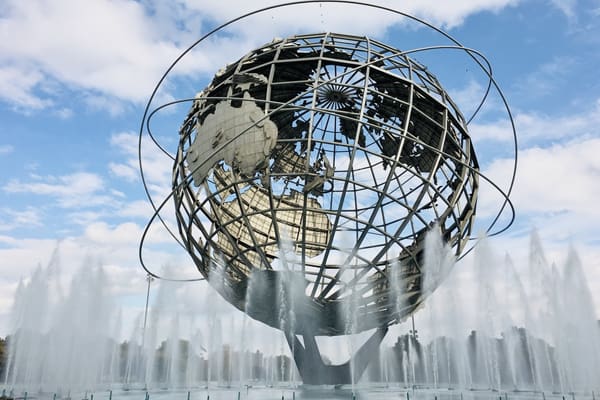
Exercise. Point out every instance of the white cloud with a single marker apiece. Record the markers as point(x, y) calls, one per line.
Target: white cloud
point(81, 189)
point(567, 7)
point(343, 16)
point(558, 170)
point(157, 166)
point(75, 184)
point(64, 113)
point(6, 149)
point(546, 78)
point(136, 209)
point(29, 217)
point(118, 50)
point(99, 45)
point(556, 188)
point(126, 233)
point(469, 97)
point(125, 171)
point(86, 217)
point(17, 86)
point(534, 127)
point(110, 104)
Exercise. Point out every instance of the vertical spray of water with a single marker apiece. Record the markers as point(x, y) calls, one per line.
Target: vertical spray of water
point(405, 368)
point(17, 309)
point(52, 329)
point(26, 342)
point(215, 336)
point(438, 262)
point(351, 303)
point(540, 286)
point(510, 312)
point(534, 333)
point(14, 326)
point(134, 364)
point(520, 350)
point(229, 350)
point(397, 293)
point(413, 357)
point(241, 364)
point(432, 359)
point(579, 338)
point(194, 374)
point(217, 355)
point(173, 353)
point(115, 352)
point(291, 277)
point(245, 370)
point(485, 349)
point(450, 304)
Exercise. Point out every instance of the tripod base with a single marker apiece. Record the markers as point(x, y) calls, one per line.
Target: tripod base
point(315, 372)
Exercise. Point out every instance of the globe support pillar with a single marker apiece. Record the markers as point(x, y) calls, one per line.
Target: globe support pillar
point(315, 372)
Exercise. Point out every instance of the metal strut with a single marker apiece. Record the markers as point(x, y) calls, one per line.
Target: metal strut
point(315, 372)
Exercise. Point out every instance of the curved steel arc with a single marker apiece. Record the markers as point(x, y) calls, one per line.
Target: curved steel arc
point(146, 117)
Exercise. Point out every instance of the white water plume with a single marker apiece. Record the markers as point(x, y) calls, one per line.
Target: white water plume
point(533, 323)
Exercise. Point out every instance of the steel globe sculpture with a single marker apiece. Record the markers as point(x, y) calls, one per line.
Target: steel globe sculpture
point(307, 176)
point(335, 151)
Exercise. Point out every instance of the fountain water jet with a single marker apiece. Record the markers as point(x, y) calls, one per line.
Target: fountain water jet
point(540, 355)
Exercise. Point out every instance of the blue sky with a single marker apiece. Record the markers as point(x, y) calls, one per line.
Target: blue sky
point(74, 78)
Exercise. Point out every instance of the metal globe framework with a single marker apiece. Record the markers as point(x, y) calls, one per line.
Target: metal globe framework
point(328, 156)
